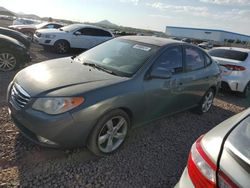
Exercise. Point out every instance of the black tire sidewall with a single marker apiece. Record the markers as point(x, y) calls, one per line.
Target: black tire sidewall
point(56, 46)
point(246, 93)
point(92, 143)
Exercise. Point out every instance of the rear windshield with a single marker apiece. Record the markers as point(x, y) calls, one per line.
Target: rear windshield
point(229, 54)
point(239, 141)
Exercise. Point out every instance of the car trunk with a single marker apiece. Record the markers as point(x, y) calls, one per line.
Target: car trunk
point(234, 163)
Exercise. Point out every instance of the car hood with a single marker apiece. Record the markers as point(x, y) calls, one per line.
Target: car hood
point(23, 26)
point(11, 40)
point(51, 31)
point(49, 76)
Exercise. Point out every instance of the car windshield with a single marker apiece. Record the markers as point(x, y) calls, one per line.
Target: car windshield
point(239, 141)
point(229, 54)
point(119, 55)
point(69, 28)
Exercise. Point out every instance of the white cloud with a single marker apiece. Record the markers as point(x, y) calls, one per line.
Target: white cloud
point(228, 2)
point(178, 9)
point(135, 2)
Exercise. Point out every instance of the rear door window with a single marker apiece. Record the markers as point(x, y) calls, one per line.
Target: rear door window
point(194, 59)
point(95, 32)
point(229, 54)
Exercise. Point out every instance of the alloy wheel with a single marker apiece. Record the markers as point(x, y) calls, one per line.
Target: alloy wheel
point(7, 61)
point(62, 47)
point(208, 101)
point(112, 134)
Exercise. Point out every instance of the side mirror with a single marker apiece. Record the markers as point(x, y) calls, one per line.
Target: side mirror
point(77, 33)
point(160, 73)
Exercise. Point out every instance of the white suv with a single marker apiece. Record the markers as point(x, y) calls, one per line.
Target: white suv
point(72, 36)
point(235, 67)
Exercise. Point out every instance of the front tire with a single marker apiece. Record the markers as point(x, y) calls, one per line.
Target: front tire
point(206, 102)
point(61, 46)
point(8, 61)
point(109, 133)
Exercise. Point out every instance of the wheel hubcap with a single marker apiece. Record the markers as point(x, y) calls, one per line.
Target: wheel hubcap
point(112, 134)
point(208, 101)
point(62, 47)
point(7, 62)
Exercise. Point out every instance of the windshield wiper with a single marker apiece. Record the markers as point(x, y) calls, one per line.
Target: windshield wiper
point(99, 67)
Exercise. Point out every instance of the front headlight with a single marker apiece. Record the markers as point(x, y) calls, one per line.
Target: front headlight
point(57, 105)
point(49, 36)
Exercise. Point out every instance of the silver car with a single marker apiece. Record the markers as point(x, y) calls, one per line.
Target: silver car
point(220, 158)
point(235, 66)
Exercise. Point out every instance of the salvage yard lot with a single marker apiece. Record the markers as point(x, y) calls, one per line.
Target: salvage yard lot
point(153, 155)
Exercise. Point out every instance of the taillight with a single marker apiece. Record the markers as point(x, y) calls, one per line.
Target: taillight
point(201, 169)
point(234, 67)
point(225, 181)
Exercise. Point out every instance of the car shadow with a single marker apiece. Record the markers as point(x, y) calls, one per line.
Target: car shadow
point(159, 148)
point(233, 98)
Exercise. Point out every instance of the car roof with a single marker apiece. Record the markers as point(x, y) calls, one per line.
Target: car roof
point(91, 26)
point(157, 41)
point(234, 48)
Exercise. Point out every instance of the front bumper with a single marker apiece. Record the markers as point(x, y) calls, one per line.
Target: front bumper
point(60, 131)
point(43, 41)
point(185, 181)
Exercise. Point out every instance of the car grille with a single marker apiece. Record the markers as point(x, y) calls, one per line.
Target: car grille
point(18, 97)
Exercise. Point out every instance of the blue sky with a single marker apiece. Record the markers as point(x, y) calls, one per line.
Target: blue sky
point(231, 15)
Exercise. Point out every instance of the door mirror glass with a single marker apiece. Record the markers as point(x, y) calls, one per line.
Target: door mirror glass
point(160, 73)
point(77, 33)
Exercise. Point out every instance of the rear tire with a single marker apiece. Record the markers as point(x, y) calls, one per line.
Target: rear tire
point(246, 92)
point(109, 133)
point(206, 102)
point(61, 46)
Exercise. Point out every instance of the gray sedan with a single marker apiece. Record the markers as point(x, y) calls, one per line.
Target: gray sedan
point(95, 98)
point(220, 158)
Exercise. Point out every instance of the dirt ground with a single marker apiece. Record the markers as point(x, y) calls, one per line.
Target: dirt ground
point(153, 156)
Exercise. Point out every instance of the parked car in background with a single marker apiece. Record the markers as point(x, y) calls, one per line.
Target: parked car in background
point(13, 53)
point(95, 98)
point(187, 40)
point(25, 21)
point(235, 66)
point(16, 35)
point(206, 45)
point(29, 30)
point(72, 36)
point(221, 157)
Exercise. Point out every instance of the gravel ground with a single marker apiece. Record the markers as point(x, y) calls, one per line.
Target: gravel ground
point(153, 155)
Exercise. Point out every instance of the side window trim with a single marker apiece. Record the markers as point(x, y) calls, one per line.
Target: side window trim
point(211, 60)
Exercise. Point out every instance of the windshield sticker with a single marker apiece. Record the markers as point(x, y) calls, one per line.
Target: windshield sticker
point(140, 47)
